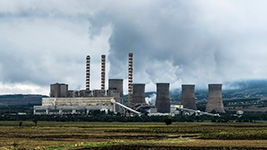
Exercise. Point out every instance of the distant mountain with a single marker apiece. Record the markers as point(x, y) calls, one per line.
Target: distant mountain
point(231, 90)
point(21, 100)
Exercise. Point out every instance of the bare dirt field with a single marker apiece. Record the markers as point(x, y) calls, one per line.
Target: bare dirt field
point(88, 135)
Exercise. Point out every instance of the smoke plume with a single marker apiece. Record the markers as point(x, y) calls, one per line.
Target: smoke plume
point(183, 41)
point(151, 100)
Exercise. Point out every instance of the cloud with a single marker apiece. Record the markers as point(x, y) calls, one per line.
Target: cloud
point(44, 42)
point(23, 88)
point(194, 42)
point(38, 49)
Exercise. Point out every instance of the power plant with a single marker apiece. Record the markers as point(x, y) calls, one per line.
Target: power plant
point(215, 102)
point(65, 101)
point(188, 97)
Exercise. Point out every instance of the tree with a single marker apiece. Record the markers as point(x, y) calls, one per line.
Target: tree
point(168, 120)
point(35, 121)
point(20, 123)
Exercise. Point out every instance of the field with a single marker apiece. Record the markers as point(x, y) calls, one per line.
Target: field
point(88, 135)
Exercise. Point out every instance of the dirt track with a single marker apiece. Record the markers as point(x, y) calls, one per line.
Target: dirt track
point(145, 147)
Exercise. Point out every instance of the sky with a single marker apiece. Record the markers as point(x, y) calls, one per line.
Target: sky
point(179, 42)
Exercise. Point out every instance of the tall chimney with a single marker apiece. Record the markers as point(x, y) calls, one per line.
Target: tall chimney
point(88, 73)
point(103, 72)
point(130, 79)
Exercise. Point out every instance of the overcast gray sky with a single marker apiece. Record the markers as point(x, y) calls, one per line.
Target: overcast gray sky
point(181, 41)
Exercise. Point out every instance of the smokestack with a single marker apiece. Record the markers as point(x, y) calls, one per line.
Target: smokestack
point(215, 99)
point(163, 98)
point(188, 97)
point(88, 73)
point(138, 94)
point(130, 79)
point(103, 71)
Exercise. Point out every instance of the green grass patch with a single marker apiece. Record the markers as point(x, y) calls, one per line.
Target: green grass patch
point(105, 144)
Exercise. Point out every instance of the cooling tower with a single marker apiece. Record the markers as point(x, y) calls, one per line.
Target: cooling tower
point(188, 97)
point(215, 99)
point(163, 98)
point(130, 79)
point(103, 71)
point(138, 95)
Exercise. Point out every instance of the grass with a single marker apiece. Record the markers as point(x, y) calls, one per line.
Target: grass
point(105, 144)
point(74, 135)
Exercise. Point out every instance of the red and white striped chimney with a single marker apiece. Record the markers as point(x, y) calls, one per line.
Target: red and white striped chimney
point(130, 79)
point(88, 72)
point(103, 71)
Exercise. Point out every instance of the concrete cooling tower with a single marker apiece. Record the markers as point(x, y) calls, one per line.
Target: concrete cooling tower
point(215, 99)
point(163, 98)
point(138, 94)
point(188, 97)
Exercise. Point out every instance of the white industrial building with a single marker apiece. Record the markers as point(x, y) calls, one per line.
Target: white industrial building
point(74, 105)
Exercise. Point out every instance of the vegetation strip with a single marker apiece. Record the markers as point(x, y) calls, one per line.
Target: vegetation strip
point(73, 135)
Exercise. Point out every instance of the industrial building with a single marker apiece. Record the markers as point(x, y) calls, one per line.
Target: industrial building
point(65, 101)
point(74, 105)
point(58, 90)
point(115, 90)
